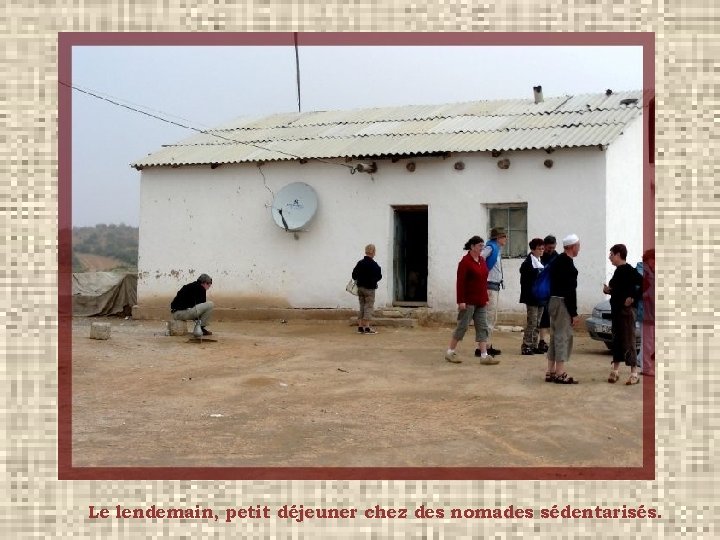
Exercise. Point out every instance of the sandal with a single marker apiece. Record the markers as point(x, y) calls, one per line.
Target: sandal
point(613, 378)
point(564, 379)
point(549, 376)
point(634, 379)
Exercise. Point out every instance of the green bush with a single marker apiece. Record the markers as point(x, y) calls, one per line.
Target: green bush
point(116, 241)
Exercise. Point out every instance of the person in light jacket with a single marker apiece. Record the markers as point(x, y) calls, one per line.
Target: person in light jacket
point(492, 253)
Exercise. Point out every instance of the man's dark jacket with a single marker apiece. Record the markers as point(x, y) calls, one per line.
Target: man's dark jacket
point(563, 282)
point(367, 273)
point(188, 297)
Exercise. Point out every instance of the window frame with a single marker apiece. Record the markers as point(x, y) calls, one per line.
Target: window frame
point(491, 207)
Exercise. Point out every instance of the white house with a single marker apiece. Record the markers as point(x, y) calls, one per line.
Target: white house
point(437, 175)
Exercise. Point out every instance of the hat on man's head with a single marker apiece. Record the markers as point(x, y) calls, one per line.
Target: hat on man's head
point(570, 240)
point(497, 232)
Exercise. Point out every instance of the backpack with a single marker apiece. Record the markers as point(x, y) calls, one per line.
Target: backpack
point(638, 304)
point(541, 286)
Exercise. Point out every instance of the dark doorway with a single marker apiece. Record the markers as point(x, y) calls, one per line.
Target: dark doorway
point(411, 255)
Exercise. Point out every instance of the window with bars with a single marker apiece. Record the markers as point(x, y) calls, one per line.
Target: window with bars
point(513, 218)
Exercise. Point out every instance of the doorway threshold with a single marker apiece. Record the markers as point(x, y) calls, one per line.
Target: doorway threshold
point(399, 303)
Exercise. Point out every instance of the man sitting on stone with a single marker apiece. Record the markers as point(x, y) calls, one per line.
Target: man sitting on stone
point(190, 303)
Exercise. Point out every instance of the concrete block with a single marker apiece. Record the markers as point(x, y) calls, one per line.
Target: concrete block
point(177, 328)
point(100, 330)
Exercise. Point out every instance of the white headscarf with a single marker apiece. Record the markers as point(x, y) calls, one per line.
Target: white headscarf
point(536, 262)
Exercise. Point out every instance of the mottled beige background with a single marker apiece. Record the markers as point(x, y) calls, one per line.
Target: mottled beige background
point(34, 504)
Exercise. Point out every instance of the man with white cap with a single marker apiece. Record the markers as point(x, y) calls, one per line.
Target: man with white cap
point(563, 311)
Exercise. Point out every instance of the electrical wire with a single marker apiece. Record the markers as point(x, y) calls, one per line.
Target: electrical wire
point(165, 114)
point(265, 183)
point(192, 128)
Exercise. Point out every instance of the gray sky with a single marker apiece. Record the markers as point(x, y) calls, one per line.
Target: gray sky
point(206, 86)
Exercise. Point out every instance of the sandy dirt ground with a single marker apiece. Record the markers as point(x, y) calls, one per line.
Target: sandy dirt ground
point(270, 394)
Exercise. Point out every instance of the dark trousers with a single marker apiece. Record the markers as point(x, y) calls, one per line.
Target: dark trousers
point(623, 323)
point(545, 319)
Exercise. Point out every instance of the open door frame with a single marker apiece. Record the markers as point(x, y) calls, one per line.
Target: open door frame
point(410, 227)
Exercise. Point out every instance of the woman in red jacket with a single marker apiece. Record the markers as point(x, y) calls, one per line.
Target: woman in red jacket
point(472, 299)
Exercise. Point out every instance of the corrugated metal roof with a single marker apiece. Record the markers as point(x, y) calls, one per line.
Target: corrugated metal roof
point(566, 121)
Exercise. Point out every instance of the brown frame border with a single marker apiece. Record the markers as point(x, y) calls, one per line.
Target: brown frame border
point(66, 470)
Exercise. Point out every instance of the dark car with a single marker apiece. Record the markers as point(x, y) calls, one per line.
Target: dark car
point(599, 325)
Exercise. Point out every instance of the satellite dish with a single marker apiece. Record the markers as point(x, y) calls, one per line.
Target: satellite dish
point(294, 206)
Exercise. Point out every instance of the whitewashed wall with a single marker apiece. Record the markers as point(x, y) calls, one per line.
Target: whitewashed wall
point(624, 193)
point(195, 219)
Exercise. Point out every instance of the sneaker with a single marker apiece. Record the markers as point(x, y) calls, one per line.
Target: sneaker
point(205, 331)
point(361, 330)
point(492, 351)
point(542, 347)
point(527, 350)
point(369, 330)
point(452, 357)
point(538, 350)
point(489, 361)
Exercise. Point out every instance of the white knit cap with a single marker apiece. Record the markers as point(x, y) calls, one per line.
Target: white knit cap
point(570, 239)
